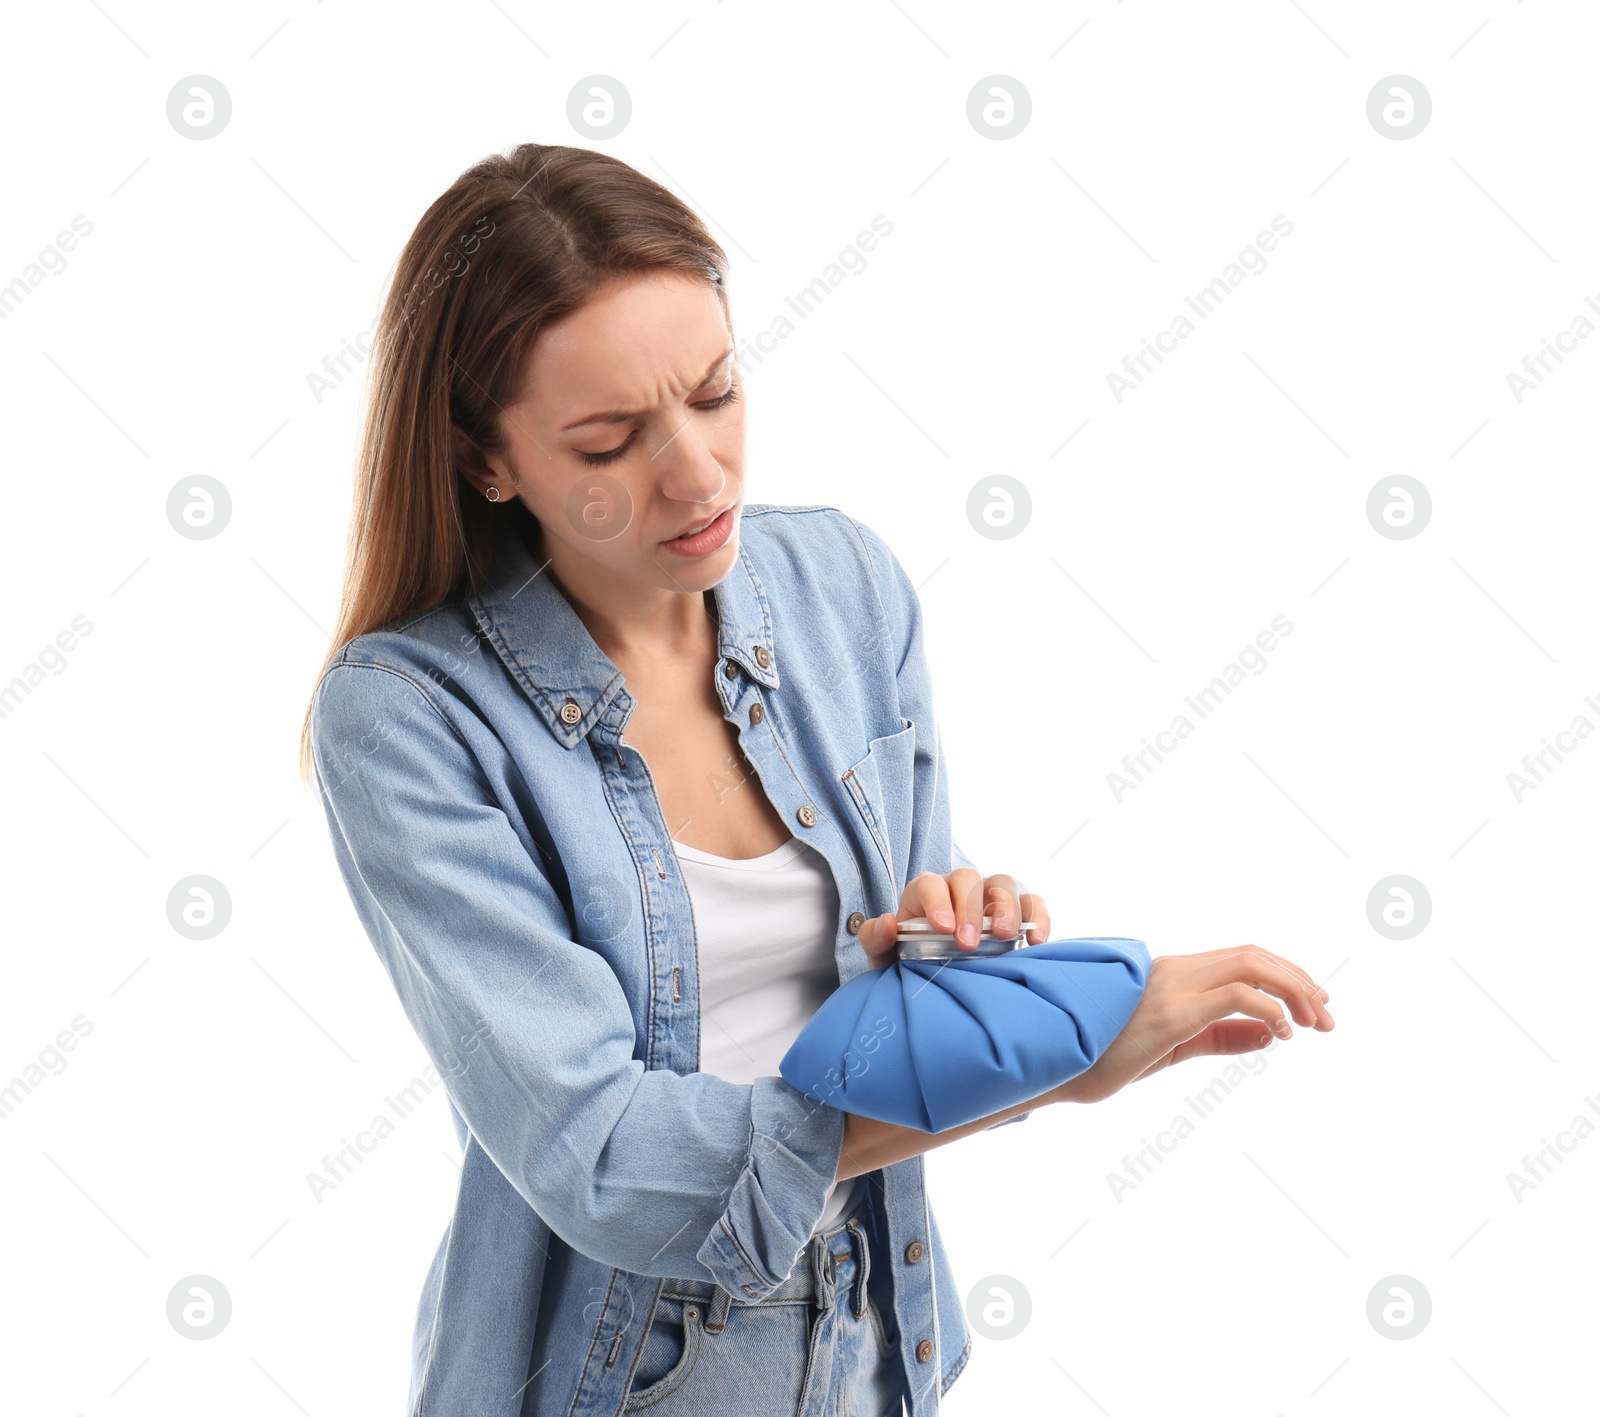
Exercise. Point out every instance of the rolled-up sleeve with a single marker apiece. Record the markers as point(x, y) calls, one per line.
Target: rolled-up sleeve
point(648, 1170)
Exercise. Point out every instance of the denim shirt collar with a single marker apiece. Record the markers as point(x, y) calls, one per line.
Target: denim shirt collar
point(550, 653)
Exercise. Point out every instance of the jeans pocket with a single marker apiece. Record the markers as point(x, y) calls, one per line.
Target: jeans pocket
point(670, 1350)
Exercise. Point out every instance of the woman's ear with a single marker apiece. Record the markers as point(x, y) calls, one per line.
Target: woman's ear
point(473, 465)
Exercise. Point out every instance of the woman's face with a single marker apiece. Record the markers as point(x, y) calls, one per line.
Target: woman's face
point(629, 430)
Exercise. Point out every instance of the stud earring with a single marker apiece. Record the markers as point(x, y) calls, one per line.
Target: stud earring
point(493, 494)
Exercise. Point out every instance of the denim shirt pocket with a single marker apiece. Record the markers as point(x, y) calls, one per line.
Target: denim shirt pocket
point(880, 786)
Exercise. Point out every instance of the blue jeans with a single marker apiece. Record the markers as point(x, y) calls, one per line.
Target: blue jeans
point(815, 1348)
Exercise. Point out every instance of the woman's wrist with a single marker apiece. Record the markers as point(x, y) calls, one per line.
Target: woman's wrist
point(1074, 1089)
point(869, 1143)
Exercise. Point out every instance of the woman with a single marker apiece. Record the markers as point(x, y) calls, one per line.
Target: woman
point(585, 711)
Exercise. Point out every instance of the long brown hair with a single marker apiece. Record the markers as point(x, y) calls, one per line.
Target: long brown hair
point(515, 243)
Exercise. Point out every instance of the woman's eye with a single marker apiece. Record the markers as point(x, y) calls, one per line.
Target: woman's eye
point(600, 459)
point(612, 454)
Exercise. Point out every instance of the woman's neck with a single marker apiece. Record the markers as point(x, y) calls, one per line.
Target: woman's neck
point(631, 620)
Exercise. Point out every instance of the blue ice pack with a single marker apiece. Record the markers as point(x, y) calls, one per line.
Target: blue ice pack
point(932, 1044)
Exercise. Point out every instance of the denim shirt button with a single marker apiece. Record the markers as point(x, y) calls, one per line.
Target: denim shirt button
point(762, 657)
point(757, 713)
point(914, 1252)
point(570, 712)
point(731, 669)
point(808, 815)
point(855, 922)
point(925, 1350)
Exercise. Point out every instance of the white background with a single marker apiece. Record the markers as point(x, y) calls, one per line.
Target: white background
point(1167, 530)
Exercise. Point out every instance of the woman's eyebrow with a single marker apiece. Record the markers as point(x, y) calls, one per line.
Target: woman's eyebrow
point(716, 364)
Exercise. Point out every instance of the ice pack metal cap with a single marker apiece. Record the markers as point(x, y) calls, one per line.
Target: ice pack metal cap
point(919, 938)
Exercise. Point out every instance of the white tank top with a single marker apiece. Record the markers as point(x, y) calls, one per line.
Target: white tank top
point(764, 929)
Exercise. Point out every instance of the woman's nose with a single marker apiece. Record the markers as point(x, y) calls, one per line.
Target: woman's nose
point(687, 468)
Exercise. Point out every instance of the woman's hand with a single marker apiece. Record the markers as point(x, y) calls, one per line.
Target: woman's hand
point(1184, 1013)
point(957, 902)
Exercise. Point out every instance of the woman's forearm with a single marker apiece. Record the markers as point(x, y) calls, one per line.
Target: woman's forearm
point(869, 1143)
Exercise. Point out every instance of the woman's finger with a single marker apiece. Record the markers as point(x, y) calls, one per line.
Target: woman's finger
point(928, 895)
point(878, 936)
point(953, 902)
point(1002, 907)
point(1292, 967)
point(1215, 1004)
point(925, 894)
point(1265, 954)
point(1248, 967)
point(1034, 909)
point(1227, 1037)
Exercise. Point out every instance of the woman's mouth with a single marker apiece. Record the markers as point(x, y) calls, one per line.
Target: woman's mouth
point(707, 539)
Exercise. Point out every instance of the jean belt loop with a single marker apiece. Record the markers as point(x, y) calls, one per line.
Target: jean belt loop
point(822, 1272)
point(858, 1287)
point(717, 1319)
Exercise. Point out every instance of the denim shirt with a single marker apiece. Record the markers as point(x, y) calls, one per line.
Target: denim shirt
point(506, 853)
